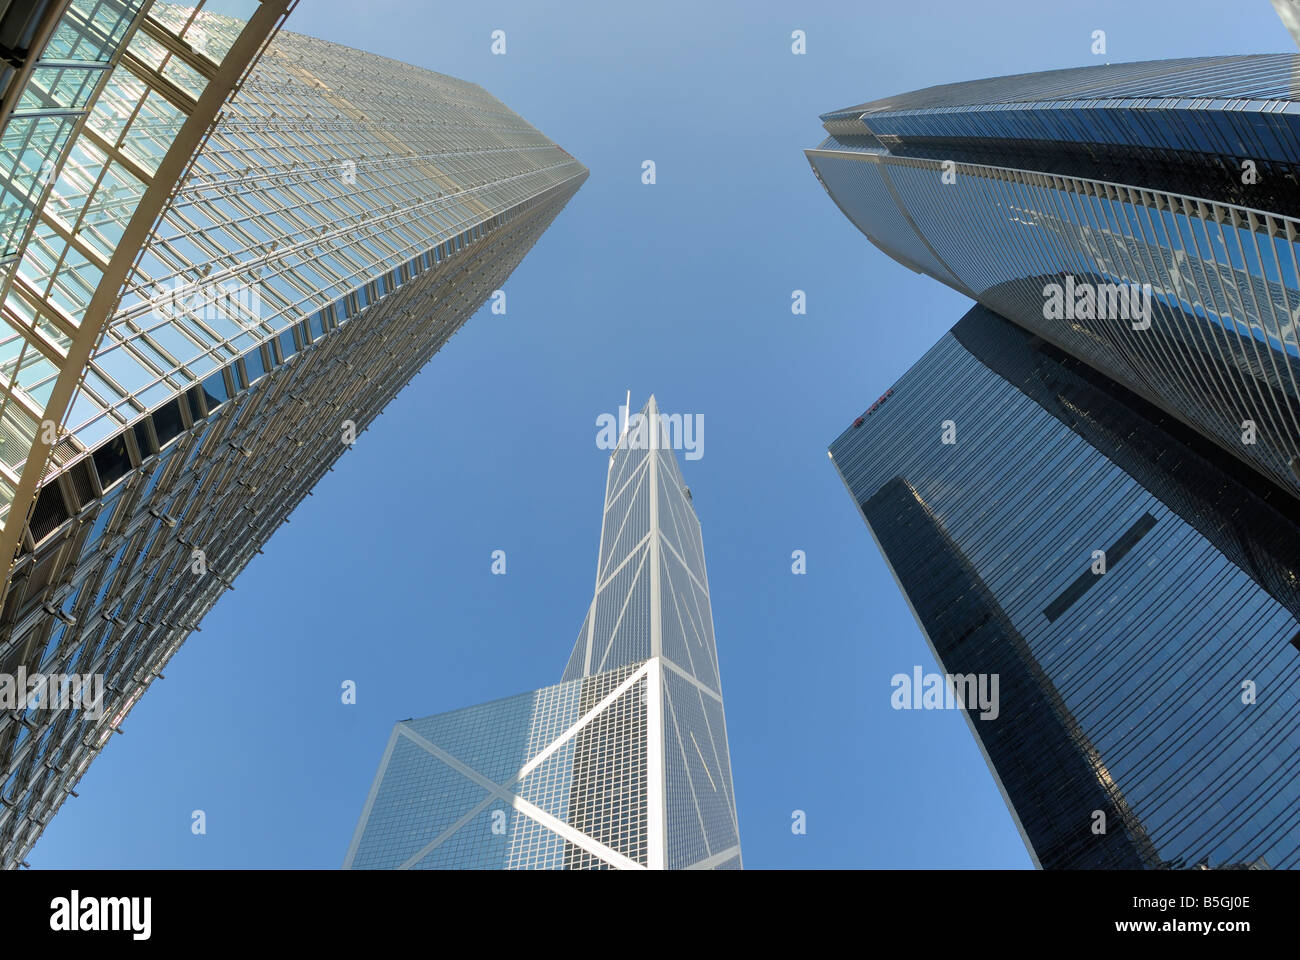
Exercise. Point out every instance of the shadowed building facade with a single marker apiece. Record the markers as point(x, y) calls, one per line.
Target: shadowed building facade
point(624, 763)
point(1162, 695)
point(203, 316)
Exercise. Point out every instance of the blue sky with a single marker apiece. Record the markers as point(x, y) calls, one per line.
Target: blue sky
point(682, 289)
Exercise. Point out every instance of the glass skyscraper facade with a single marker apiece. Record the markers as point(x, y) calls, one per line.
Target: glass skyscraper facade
point(1160, 699)
point(1289, 11)
point(1176, 176)
point(624, 763)
point(1098, 504)
point(203, 314)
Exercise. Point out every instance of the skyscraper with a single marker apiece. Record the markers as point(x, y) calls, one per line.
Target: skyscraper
point(1160, 198)
point(1089, 487)
point(624, 763)
point(1149, 715)
point(202, 318)
point(1289, 11)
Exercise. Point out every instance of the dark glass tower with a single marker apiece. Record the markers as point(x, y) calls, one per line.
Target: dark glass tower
point(1160, 698)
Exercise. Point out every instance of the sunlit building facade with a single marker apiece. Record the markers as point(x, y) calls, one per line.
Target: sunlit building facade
point(1181, 177)
point(1289, 11)
point(624, 764)
point(246, 244)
